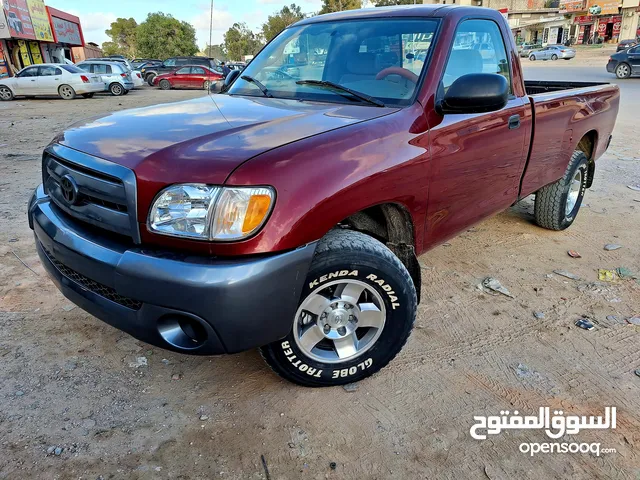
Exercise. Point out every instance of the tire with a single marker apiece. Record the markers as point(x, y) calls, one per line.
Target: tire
point(554, 57)
point(87, 95)
point(6, 93)
point(345, 263)
point(623, 70)
point(567, 59)
point(557, 204)
point(165, 84)
point(116, 89)
point(67, 92)
point(149, 78)
point(206, 84)
point(532, 58)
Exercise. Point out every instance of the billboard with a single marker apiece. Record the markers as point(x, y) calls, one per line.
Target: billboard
point(40, 20)
point(18, 19)
point(66, 32)
point(572, 5)
point(602, 7)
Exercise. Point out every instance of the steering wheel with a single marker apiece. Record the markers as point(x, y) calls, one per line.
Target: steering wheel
point(403, 72)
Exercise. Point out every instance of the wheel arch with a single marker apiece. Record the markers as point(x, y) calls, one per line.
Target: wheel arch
point(587, 145)
point(392, 224)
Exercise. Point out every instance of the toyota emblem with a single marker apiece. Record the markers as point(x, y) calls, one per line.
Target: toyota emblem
point(69, 189)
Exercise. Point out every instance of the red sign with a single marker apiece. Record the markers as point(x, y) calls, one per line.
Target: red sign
point(19, 19)
point(602, 29)
point(584, 19)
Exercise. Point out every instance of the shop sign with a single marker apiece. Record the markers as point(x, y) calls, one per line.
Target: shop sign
point(571, 5)
point(584, 19)
point(18, 19)
point(34, 48)
point(4, 27)
point(66, 32)
point(602, 7)
point(24, 53)
point(40, 20)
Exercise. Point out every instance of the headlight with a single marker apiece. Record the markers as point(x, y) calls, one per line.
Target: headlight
point(208, 212)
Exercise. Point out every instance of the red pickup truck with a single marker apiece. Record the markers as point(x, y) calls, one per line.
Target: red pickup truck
point(287, 211)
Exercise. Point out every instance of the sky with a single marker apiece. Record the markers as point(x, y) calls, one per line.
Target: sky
point(95, 17)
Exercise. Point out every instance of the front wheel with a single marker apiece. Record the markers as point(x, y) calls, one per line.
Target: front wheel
point(532, 58)
point(6, 93)
point(357, 308)
point(554, 57)
point(557, 204)
point(150, 78)
point(623, 71)
point(165, 84)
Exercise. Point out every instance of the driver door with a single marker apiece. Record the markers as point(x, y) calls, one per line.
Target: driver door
point(26, 81)
point(181, 77)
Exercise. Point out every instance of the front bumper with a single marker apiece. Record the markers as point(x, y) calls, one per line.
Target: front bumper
point(185, 303)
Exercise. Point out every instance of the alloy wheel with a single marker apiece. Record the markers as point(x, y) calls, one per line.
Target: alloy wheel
point(574, 192)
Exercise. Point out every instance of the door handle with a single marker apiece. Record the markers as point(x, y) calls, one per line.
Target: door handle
point(514, 122)
point(33, 80)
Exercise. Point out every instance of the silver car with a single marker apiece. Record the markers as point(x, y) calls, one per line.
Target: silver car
point(116, 77)
point(553, 52)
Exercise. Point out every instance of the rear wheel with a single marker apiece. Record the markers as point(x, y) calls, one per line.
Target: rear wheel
point(623, 70)
point(165, 84)
point(150, 78)
point(67, 92)
point(554, 57)
point(532, 58)
point(5, 93)
point(87, 95)
point(356, 311)
point(206, 84)
point(557, 204)
point(116, 89)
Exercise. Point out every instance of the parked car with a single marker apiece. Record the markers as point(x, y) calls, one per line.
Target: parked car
point(190, 76)
point(14, 22)
point(148, 64)
point(170, 64)
point(625, 63)
point(288, 213)
point(64, 80)
point(117, 58)
point(553, 52)
point(115, 76)
point(624, 44)
point(527, 48)
point(137, 63)
point(138, 81)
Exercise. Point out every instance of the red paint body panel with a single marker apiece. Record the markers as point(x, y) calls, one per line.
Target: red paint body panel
point(329, 161)
point(190, 80)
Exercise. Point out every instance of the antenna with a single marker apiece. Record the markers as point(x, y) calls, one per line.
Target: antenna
point(210, 30)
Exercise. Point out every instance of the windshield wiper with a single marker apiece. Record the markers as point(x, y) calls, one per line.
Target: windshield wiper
point(262, 88)
point(336, 86)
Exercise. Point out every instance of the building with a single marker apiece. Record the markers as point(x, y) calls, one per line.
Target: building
point(89, 50)
point(36, 34)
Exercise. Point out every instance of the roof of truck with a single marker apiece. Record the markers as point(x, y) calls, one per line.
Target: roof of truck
point(431, 10)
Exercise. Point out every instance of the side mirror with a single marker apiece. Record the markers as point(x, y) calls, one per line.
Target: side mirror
point(475, 93)
point(233, 74)
point(217, 86)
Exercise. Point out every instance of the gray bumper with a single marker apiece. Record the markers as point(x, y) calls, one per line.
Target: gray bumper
point(190, 304)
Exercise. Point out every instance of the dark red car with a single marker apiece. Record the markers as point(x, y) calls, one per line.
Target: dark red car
point(189, 76)
point(288, 211)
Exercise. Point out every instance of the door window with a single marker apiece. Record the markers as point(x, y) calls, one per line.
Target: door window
point(170, 62)
point(184, 71)
point(102, 69)
point(197, 71)
point(181, 61)
point(28, 72)
point(49, 71)
point(86, 67)
point(478, 47)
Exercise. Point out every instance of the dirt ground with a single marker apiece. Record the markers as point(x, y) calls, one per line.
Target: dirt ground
point(71, 383)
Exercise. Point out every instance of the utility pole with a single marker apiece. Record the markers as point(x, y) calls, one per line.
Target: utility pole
point(211, 30)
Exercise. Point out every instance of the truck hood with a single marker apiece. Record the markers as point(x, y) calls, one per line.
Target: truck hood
point(205, 139)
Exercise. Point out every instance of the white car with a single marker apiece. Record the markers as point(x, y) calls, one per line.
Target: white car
point(138, 81)
point(67, 81)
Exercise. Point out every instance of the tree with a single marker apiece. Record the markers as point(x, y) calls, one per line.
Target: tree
point(388, 3)
point(215, 51)
point(162, 36)
point(123, 37)
point(239, 40)
point(281, 20)
point(329, 6)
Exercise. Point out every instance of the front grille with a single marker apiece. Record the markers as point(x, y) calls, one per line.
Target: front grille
point(103, 192)
point(91, 285)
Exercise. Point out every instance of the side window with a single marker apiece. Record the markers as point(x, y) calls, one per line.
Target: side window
point(181, 61)
point(184, 71)
point(86, 67)
point(170, 62)
point(47, 71)
point(635, 50)
point(58, 71)
point(197, 70)
point(478, 47)
point(100, 69)
point(29, 72)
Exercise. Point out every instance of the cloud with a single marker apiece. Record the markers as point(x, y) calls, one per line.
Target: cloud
point(222, 21)
point(94, 24)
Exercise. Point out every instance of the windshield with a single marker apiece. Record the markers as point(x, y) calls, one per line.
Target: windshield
point(383, 59)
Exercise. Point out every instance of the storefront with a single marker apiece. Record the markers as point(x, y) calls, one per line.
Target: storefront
point(609, 28)
point(586, 29)
point(67, 33)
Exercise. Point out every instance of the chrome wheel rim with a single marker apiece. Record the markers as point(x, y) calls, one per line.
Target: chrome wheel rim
point(116, 89)
point(5, 93)
point(339, 321)
point(574, 192)
point(65, 91)
point(623, 70)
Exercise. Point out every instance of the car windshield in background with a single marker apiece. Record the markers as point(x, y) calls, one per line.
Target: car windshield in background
point(382, 59)
point(72, 69)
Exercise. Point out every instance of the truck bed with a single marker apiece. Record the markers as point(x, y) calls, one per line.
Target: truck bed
point(534, 87)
